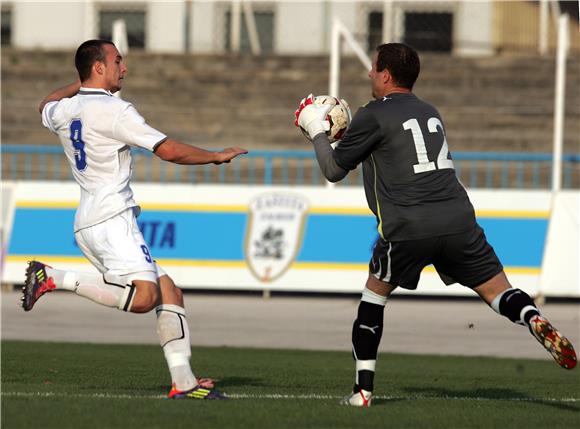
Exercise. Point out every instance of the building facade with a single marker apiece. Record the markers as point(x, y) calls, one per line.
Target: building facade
point(283, 27)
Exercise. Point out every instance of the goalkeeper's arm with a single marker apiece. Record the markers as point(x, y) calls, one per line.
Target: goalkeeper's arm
point(331, 170)
point(312, 119)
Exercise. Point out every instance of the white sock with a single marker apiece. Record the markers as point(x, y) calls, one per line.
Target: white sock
point(174, 338)
point(364, 365)
point(112, 293)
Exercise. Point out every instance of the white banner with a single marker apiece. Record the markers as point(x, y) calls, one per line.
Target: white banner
point(314, 239)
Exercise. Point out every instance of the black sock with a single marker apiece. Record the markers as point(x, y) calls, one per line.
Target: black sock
point(367, 330)
point(517, 306)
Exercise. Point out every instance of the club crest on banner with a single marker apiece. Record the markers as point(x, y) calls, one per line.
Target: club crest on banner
point(274, 233)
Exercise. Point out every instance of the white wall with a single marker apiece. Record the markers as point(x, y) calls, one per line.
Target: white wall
point(66, 24)
point(300, 27)
point(165, 30)
point(473, 29)
point(347, 12)
point(202, 38)
point(49, 25)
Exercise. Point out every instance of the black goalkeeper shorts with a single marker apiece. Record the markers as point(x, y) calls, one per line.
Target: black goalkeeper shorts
point(465, 258)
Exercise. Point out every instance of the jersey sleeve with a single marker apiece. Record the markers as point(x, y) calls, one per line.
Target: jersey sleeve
point(47, 115)
point(131, 129)
point(360, 139)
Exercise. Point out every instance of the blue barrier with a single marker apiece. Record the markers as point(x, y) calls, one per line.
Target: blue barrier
point(287, 167)
point(220, 236)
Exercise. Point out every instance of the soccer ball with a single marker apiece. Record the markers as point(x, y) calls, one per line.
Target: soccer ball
point(339, 117)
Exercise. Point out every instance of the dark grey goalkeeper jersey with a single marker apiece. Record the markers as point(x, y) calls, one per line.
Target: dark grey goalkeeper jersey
point(409, 179)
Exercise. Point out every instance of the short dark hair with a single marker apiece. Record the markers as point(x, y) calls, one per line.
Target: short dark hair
point(401, 60)
point(87, 53)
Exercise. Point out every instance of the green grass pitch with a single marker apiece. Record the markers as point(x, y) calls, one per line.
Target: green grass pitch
point(57, 385)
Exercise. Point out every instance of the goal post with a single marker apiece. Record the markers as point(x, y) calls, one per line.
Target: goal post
point(340, 31)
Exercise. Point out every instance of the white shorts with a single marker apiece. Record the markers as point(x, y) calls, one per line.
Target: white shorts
point(116, 247)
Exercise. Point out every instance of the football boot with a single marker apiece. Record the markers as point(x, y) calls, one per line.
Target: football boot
point(362, 398)
point(197, 392)
point(37, 284)
point(555, 343)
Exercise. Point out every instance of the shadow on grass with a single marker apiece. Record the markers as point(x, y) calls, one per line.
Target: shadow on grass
point(163, 389)
point(485, 394)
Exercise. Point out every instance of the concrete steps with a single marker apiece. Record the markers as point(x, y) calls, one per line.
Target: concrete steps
point(500, 103)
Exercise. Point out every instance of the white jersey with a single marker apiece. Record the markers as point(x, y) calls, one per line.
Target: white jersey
point(96, 131)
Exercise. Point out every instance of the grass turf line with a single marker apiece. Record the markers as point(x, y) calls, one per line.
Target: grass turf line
point(278, 396)
point(96, 386)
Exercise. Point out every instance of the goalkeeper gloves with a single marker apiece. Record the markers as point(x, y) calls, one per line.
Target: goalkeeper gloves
point(312, 118)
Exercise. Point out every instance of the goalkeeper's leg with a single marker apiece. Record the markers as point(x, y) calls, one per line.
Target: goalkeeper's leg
point(518, 307)
point(366, 336)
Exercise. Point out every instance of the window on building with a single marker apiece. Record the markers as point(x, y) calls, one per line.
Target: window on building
point(264, 26)
point(571, 8)
point(375, 33)
point(6, 28)
point(431, 31)
point(134, 22)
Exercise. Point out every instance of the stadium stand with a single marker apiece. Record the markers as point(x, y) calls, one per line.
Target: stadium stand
point(489, 104)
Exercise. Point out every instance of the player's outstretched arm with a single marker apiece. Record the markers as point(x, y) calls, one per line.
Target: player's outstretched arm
point(181, 153)
point(58, 94)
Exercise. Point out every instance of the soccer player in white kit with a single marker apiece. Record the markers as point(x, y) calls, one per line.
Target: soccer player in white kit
point(97, 131)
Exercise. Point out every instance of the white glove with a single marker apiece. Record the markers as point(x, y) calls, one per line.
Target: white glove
point(312, 118)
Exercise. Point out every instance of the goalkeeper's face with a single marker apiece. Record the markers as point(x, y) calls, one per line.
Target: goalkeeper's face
point(114, 68)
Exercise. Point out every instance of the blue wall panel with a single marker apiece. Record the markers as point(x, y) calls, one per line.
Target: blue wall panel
point(216, 236)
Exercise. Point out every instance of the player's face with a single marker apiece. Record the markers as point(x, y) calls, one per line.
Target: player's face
point(378, 80)
point(115, 68)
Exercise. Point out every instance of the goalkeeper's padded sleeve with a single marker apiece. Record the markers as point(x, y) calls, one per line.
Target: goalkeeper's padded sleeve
point(331, 170)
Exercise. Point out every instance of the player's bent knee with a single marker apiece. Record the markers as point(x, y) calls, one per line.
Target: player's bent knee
point(378, 286)
point(178, 293)
point(170, 294)
point(373, 297)
point(147, 296)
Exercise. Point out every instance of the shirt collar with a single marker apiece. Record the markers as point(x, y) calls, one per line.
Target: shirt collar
point(94, 91)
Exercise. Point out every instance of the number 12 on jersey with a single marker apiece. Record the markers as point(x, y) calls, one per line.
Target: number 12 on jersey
point(424, 164)
point(76, 137)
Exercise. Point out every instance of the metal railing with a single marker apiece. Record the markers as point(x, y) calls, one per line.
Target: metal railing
point(274, 167)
